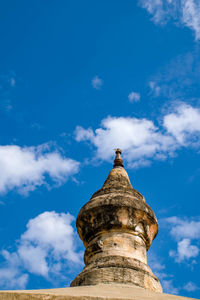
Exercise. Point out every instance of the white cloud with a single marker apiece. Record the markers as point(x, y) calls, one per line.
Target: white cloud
point(82, 134)
point(183, 228)
point(184, 251)
point(183, 12)
point(191, 287)
point(184, 231)
point(97, 83)
point(183, 122)
point(134, 97)
point(52, 230)
point(140, 139)
point(47, 248)
point(25, 168)
point(34, 259)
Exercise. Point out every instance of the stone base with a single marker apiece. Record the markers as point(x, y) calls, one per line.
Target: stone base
point(117, 269)
point(97, 292)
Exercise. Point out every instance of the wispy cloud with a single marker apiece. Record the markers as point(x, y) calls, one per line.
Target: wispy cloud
point(169, 287)
point(12, 81)
point(191, 287)
point(191, 15)
point(11, 277)
point(134, 97)
point(7, 80)
point(140, 139)
point(97, 83)
point(7, 84)
point(182, 12)
point(25, 168)
point(159, 269)
point(179, 78)
point(36, 126)
point(155, 89)
point(47, 248)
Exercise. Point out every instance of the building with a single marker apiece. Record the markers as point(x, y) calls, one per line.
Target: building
point(117, 228)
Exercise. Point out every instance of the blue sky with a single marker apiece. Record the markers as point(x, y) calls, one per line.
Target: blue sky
point(78, 79)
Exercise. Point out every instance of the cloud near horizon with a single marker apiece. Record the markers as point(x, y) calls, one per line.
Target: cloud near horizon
point(48, 248)
point(25, 168)
point(140, 139)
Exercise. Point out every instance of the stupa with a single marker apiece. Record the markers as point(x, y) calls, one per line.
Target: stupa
point(117, 228)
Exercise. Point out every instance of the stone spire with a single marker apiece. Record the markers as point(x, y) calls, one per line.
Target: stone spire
point(117, 228)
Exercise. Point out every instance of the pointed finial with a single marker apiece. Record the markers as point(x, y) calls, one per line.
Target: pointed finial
point(118, 162)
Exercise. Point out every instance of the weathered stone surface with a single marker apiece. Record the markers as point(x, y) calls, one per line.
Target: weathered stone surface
point(117, 228)
point(98, 292)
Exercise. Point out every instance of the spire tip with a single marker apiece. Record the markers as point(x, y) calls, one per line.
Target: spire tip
point(118, 162)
